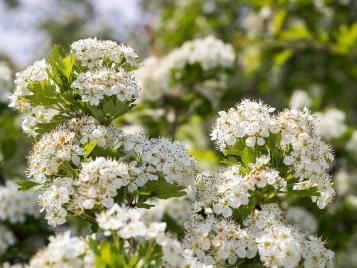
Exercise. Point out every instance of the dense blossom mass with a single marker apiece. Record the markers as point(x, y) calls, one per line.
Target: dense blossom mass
point(291, 134)
point(64, 251)
point(100, 74)
point(15, 206)
point(97, 182)
point(142, 197)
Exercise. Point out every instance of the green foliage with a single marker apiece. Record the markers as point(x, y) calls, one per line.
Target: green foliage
point(28, 185)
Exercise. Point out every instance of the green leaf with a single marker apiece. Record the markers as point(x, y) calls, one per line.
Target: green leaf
point(28, 185)
point(89, 147)
point(282, 57)
point(312, 191)
point(68, 63)
point(165, 190)
point(278, 21)
point(248, 156)
point(296, 32)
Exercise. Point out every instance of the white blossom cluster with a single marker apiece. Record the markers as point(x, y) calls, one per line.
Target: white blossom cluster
point(35, 72)
point(96, 182)
point(94, 85)
point(32, 114)
point(95, 53)
point(283, 245)
point(51, 151)
point(351, 145)
point(66, 144)
point(300, 216)
point(5, 81)
point(7, 238)
point(175, 255)
point(300, 99)
point(218, 242)
point(64, 251)
point(249, 120)
point(104, 73)
point(170, 159)
point(130, 223)
point(105, 76)
point(230, 189)
point(15, 206)
point(331, 123)
point(306, 153)
point(177, 208)
point(156, 77)
point(295, 139)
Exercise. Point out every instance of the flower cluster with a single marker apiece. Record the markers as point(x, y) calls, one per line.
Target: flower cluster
point(94, 53)
point(132, 223)
point(129, 223)
point(94, 85)
point(178, 209)
point(72, 184)
point(290, 138)
point(215, 241)
point(170, 159)
point(64, 251)
point(300, 216)
point(331, 124)
point(15, 205)
point(35, 72)
point(94, 73)
point(249, 120)
point(282, 245)
point(230, 189)
point(157, 74)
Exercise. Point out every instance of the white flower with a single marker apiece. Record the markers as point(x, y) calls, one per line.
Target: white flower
point(316, 255)
point(99, 180)
point(248, 120)
point(351, 145)
point(129, 223)
point(300, 99)
point(94, 86)
point(52, 150)
point(171, 159)
point(300, 216)
point(16, 205)
point(219, 242)
point(95, 53)
point(209, 53)
point(331, 124)
point(64, 251)
point(35, 72)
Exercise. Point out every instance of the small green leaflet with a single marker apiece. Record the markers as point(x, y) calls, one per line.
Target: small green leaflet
point(89, 147)
point(28, 185)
